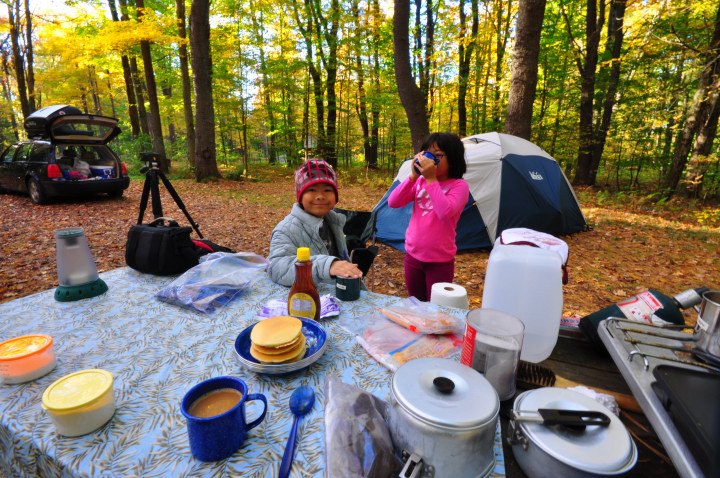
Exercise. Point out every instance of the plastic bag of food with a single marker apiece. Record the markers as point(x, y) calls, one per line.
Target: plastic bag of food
point(392, 345)
point(217, 280)
point(357, 440)
point(423, 317)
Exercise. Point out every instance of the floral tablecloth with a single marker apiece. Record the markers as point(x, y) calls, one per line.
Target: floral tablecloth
point(156, 352)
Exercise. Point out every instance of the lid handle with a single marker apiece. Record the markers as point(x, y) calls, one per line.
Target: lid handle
point(444, 385)
point(575, 419)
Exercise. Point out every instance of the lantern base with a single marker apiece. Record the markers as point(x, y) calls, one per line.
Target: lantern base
point(69, 293)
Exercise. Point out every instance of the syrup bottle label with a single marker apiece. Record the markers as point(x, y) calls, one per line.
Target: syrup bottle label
point(302, 305)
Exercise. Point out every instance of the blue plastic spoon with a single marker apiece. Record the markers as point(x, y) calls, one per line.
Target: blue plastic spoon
point(301, 402)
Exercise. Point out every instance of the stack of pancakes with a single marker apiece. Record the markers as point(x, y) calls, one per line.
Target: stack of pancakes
point(277, 340)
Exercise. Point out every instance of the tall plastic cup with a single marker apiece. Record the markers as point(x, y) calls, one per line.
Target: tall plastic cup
point(492, 345)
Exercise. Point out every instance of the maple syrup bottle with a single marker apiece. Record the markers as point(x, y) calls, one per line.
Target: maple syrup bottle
point(303, 300)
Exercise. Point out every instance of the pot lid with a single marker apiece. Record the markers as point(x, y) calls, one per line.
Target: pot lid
point(600, 450)
point(77, 389)
point(445, 393)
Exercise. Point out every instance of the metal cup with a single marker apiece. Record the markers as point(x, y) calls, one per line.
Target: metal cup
point(707, 328)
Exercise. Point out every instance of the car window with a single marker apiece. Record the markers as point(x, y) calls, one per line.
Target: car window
point(40, 153)
point(22, 153)
point(9, 153)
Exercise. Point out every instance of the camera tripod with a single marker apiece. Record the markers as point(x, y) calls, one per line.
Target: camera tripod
point(151, 189)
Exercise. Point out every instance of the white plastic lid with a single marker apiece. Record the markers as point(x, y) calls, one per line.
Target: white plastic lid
point(600, 450)
point(421, 386)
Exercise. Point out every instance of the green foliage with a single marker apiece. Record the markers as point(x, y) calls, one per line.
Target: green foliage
point(264, 108)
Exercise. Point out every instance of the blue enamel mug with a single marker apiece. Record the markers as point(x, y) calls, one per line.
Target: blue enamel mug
point(428, 155)
point(214, 430)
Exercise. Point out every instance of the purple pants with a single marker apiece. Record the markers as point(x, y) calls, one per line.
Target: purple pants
point(420, 276)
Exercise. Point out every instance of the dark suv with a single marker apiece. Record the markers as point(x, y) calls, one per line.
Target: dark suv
point(66, 155)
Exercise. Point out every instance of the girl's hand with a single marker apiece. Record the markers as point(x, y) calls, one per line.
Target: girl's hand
point(426, 166)
point(345, 269)
point(416, 159)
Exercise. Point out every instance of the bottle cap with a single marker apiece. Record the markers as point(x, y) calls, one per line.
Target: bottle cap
point(303, 254)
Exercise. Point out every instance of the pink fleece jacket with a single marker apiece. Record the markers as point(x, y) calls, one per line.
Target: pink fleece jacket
point(430, 237)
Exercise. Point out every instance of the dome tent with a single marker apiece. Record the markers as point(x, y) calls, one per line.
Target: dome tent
point(513, 183)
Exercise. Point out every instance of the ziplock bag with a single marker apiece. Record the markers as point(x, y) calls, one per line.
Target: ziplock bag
point(217, 280)
point(393, 345)
point(423, 317)
point(357, 440)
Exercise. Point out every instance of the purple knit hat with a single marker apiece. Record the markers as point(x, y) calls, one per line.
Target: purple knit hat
point(314, 171)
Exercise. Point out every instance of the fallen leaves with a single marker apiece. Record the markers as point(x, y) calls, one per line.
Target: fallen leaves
point(628, 250)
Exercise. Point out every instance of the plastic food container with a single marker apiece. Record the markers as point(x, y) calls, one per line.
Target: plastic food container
point(526, 282)
point(551, 451)
point(26, 358)
point(81, 402)
point(104, 172)
point(444, 414)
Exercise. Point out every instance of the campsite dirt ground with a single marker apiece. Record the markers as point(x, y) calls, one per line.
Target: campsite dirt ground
point(633, 245)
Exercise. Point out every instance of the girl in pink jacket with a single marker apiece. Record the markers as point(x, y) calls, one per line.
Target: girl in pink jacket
point(439, 194)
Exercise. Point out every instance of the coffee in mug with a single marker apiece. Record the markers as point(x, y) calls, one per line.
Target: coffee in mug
point(215, 403)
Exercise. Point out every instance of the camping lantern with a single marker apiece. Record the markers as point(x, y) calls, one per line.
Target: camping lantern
point(77, 274)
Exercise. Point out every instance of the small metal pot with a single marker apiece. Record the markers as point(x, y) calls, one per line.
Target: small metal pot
point(443, 416)
point(552, 451)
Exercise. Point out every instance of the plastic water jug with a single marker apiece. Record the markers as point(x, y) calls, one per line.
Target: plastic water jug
point(526, 282)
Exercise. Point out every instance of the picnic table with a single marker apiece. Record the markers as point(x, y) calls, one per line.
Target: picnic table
point(157, 351)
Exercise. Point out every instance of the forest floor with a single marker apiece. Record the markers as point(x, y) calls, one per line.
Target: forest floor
point(633, 245)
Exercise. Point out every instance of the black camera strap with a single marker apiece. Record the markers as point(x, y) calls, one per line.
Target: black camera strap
point(151, 189)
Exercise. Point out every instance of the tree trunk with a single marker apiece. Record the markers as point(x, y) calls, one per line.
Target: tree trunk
point(7, 95)
point(524, 74)
point(92, 81)
point(410, 94)
point(127, 75)
point(111, 95)
point(258, 30)
point(14, 21)
point(186, 84)
point(331, 70)
point(465, 52)
point(503, 35)
point(29, 58)
point(139, 88)
point(615, 41)
point(593, 27)
point(205, 154)
point(703, 104)
point(154, 122)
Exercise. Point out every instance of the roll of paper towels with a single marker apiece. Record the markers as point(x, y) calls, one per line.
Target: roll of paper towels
point(451, 295)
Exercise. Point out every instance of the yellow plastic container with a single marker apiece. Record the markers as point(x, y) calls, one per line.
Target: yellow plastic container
point(26, 358)
point(81, 402)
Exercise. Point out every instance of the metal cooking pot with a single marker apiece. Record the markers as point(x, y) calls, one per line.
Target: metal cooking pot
point(707, 327)
point(443, 416)
point(552, 451)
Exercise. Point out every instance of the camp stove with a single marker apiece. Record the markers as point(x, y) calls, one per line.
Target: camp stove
point(638, 350)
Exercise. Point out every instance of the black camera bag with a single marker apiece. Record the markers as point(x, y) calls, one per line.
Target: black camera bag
point(163, 247)
point(160, 249)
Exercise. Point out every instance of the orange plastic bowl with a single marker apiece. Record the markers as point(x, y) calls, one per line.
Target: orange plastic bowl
point(26, 358)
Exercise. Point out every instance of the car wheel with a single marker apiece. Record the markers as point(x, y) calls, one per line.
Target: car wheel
point(116, 194)
point(37, 195)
